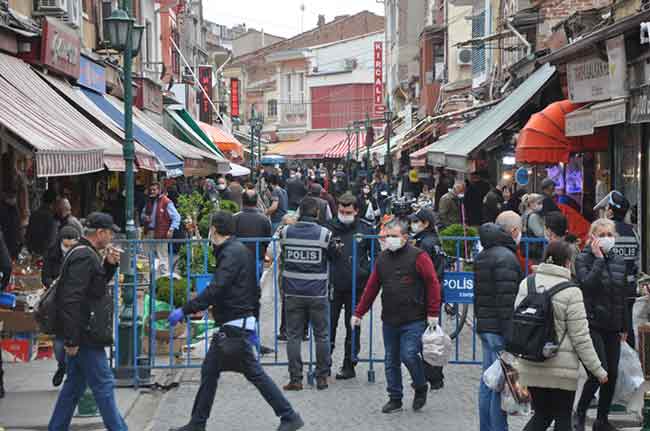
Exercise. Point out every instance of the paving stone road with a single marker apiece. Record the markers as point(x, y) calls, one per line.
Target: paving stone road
point(354, 404)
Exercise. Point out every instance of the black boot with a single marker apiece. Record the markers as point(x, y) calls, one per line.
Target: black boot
point(347, 371)
point(579, 421)
point(420, 398)
point(603, 425)
point(189, 427)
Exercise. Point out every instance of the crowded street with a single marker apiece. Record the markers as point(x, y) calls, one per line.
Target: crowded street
point(377, 214)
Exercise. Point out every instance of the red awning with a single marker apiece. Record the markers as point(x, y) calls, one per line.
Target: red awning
point(314, 145)
point(543, 139)
point(340, 150)
point(222, 139)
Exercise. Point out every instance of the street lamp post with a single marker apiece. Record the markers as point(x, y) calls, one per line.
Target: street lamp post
point(251, 124)
point(389, 157)
point(126, 37)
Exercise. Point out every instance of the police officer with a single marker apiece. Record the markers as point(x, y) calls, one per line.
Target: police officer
point(627, 245)
point(425, 234)
point(234, 296)
point(306, 251)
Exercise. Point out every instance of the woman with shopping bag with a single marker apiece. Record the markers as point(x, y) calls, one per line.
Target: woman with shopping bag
point(602, 276)
point(552, 383)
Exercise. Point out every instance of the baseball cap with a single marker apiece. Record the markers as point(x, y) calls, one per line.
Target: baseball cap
point(98, 220)
point(548, 182)
point(424, 214)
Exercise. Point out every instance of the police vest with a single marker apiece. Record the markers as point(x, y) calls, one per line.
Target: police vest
point(305, 267)
point(627, 246)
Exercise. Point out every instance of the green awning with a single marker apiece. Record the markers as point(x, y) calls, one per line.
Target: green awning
point(454, 151)
point(189, 131)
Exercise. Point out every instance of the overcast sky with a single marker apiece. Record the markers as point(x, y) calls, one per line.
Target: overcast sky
point(283, 17)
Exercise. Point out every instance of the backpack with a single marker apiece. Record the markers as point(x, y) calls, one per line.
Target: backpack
point(532, 332)
point(45, 314)
point(535, 250)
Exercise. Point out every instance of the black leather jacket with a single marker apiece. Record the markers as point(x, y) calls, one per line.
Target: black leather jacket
point(604, 287)
point(341, 265)
point(233, 292)
point(498, 274)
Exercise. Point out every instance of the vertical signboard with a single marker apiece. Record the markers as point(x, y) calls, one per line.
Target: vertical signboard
point(378, 90)
point(234, 98)
point(205, 107)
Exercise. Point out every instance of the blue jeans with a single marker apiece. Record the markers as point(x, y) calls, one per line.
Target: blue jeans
point(492, 418)
point(403, 345)
point(89, 367)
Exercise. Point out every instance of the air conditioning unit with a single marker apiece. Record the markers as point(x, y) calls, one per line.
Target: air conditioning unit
point(53, 6)
point(464, 57)
point(350, 64)
point(74, 13)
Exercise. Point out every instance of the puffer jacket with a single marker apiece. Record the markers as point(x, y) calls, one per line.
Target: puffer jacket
point(497, 277)
point(572, 329)
point(604, 286)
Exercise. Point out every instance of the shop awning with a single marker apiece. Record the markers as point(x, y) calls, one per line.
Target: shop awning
point(196, 161)
point(94, 120)
point(419, 157)
point(314, 145)
point(28, 111)
point(543, 139)
point(223, 140)
point(456, 149)
point(340, 150)
point(188, 130)
point(238, 170)
point(170, 161)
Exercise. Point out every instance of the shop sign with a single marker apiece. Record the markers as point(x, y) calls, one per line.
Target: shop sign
point(378, 94)
point(609, 114)
point(588, 80)
point(458, 287)
point(92, 75)
point(640, 106)
point(205, 105)
point(234, 98)
point(579, 123)
point(60, 48)
point(617, 66)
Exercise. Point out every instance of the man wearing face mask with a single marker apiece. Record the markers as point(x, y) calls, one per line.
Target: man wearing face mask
point(279, 202)
point(160, 219)
point(368, 205)
point(10, 222)
point(627, 246)
point(344, 227)
point(497, 277)
point(234, 297)
point(296, 190)
point(425, 234)
point(410, 301)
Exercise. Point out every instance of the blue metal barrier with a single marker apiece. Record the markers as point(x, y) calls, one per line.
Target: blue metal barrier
point(130, 322)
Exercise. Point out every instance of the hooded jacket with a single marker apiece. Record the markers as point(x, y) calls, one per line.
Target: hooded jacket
point(605, 288)
point(497, 277)
point(341, 265)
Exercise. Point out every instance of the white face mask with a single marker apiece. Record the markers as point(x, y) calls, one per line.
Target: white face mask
point(333, 180)
point(366, 190)
point(65, 249)
point(607, 243)
point(394, 244)
point(416, 227)
point(346, 219)
point(518, 239)
point(221, 187)
point(460, 195)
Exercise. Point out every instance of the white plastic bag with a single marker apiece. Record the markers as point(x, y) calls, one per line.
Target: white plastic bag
point(436, 346)
point(493, 377)
point(630, 375)
point(511, 406)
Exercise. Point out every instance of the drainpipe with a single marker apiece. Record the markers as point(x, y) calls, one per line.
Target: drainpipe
point(529, 47)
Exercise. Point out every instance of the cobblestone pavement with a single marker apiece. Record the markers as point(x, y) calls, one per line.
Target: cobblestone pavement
point(354, 404)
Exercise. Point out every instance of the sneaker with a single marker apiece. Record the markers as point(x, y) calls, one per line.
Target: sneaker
point(264, 350)
point(292, 424)
point(346, 373)
point(58, 376)
point(321, 383)
point(578, 420)
point(600, 425)
point(392, 406)
point(293, 386)
point(420, 398)
point(189, 427)
point(282, 337)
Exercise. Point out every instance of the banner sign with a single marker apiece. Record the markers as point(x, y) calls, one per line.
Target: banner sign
point(458, 288)
point(588, 80)
point(234, 98)
point(378, 91)
point(205, 107)
point(60, 48)
point(92, 75)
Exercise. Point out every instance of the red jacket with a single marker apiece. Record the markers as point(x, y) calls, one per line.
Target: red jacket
point(163, 221)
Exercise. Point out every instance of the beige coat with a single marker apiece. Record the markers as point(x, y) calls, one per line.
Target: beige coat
point(561, 371)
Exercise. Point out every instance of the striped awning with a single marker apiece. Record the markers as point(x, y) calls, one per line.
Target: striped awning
point(314, 145)
point(61, 145)
point(340, 150)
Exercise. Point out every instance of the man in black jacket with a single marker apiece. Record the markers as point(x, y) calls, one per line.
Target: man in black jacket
point(344, 227)
point(296, 190)
point(493, 203)
point(251, 222)
point(234, 296)
point(10, 222)
point(425, 234)
point(498, 274)
point(84, 278)
point(5, 271)
point(42, 228)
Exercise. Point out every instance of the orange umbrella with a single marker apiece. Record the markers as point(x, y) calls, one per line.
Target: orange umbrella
point(223, 140)
point(543, 139)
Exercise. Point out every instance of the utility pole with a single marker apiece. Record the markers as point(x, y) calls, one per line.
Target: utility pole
point(389, 157)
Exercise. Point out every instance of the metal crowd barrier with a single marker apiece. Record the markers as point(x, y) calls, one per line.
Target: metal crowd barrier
point(132, 285)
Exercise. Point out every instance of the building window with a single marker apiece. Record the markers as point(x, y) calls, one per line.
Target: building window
point(272, 108)
point(478, 50)
point(148, 35)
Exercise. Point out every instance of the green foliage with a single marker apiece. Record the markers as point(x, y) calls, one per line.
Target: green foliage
point(197, 264)
point(194, 206)
point(163, 290)
point(449, 246)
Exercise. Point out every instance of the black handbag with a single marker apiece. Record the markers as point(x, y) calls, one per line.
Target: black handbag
point(231, 351)
point(100, 320)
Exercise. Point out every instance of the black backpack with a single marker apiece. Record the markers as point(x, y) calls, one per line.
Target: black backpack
point(532, 332)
